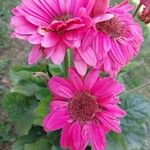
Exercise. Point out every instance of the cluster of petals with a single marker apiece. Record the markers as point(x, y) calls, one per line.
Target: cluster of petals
point(52, 26)
point(85, 108)
point(101, 36)
point(114, 37)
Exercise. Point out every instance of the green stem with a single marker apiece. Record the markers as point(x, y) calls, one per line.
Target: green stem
point(67, 62)
point(137, 9)
point(47, 69)
point(137, 88)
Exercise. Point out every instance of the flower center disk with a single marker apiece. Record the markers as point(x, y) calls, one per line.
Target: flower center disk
point(83, 107)
point(114, 27)
point(65, 17)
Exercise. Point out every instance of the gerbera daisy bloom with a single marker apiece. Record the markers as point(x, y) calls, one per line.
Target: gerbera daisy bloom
point(86, 109)
point(51, 26)
point(114, 36)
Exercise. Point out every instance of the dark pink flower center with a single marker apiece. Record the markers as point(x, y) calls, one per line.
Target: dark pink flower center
point(83, 107)
point(65, 17)
point(114, 27)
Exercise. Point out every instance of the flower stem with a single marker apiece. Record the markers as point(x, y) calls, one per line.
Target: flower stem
point(47, 69)
point(67, 62)
point(137, 9)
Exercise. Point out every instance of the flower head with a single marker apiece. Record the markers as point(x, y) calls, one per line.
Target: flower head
point(114, 38)
point(86, 109)
point(51, 26)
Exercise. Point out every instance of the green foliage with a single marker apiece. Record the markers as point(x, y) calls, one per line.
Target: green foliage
point(35, 134)
point(5, 14)
point(20, 109)
point(6, 132)
point(134, 134)
point(25, 83)
point(3, 65)
point(42, 110)
point(42, 144)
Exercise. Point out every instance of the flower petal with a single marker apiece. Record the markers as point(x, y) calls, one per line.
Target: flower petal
point(35, 54)
point(110, 122)
point(100, 6)
point(88, 56)
point(72, 138)
point(97, 137)
point(91, 79)
point(80, 65)
point(56, 120)
point(55, 105)
point(76, 79)
point(61, 87)
point(59, 53)
point(49, 40)
point(35, 39)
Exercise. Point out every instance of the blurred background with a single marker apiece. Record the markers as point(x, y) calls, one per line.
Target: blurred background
point(135, 76)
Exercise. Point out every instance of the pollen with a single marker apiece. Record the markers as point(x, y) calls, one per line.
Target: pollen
point(114, 27)
point(83, 107)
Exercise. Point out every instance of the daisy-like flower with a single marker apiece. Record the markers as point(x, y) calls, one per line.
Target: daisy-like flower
point(51, 26)
point(114, 36)
point(86, 109)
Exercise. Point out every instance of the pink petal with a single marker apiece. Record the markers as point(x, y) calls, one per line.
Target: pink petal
point(117, 52)
point(76, 79)
point(88, 38)
point(35, 54)
point(107, 64)
point(17, 21)
point(91, 79)
point(102, 18)
point(88, 56)
point(100, 7)
point(26, 29)
point(80, 65)
point(35, 39)
point(97, 137)
point(56, 120)
point(48, 52)
point(55, 105)
point(72, 138)
point(110, 123)
point(89, 6)
point(114, 110)
point(61, 87)
point(49, 40)
point(59, 53)
point(107, 86)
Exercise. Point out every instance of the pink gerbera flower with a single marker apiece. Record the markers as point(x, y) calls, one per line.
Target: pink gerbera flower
point(51, 26)
point(115, 37)
point(86, 109)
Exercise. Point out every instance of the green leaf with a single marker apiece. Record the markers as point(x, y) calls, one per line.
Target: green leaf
point(42, 144)
point(116, 142)
point(6, 132)
point(55, 70)
point(42, 110)
point(54, 137)
point(20, 109)
point(33, 136)
point(54, 147)
point(134, 124)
